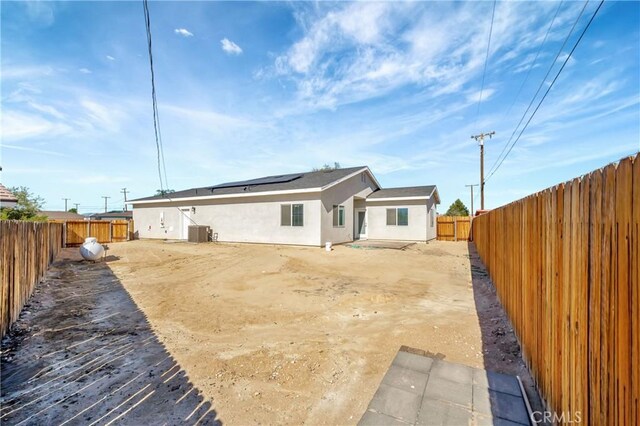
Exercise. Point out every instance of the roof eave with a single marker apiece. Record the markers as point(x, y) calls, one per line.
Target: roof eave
point(223, 196)
point(412, 198)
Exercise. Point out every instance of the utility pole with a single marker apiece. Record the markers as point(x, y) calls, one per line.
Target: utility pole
point(76, 204)
point(480, 139)
point(471, 186)
point(65, 203)
point(124, 191)
point(105, 203)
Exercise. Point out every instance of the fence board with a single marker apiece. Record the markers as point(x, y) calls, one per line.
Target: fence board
point(453, 228)
point(565, 264)
point(105, 231)
point(26, 250)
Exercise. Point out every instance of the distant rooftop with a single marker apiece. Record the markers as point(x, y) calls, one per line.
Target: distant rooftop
point(6, 195)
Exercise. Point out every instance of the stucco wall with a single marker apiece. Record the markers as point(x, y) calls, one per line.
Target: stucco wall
point(378, 229)
point(343, 194)
point(432, 231)
point(255, 219)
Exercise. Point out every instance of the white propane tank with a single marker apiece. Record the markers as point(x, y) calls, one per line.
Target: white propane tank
point(91, 249)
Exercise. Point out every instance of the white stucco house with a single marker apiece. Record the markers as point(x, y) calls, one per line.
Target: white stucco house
point(309, 208)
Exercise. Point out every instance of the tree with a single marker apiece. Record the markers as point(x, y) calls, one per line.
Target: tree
point(327, 167)
point(26, 208)
point(163, 192)
point(73, 210)
point(457, 209)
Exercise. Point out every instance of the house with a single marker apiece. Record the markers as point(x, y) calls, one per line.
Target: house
point(7, 199)
point(126, 215)
point(60, 215)
point(309, 208)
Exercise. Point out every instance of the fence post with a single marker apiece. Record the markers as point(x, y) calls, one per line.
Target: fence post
point(455, 229)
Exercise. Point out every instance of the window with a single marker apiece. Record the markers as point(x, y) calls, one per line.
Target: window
point(285, 215)
point(403, 217)
point(338, 216)
point(291, 215)
point(297, 215)
point(391, 217)
point(398, 217)
point(432, 214)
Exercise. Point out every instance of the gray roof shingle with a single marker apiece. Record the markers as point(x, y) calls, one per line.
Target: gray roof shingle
point(306, 180)
point(407, 191)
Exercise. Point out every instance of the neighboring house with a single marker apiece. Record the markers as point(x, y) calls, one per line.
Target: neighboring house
point(303, 208)
point(7, 199)
point(112, 216)
point(60, 215)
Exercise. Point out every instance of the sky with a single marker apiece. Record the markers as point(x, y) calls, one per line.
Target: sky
point(253, 89)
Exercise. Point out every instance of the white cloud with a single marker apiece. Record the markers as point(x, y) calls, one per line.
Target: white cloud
point(85, 70)
point(230, 47)
point(351, 53)
point(111, 58)
point(17, 126)
point(183, 32)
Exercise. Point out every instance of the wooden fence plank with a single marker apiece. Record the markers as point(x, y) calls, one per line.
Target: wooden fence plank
point(26, 250)
point(566, 266)
point(453, 228)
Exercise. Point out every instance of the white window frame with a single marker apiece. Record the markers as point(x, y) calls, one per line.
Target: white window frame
point(337, 208)
point(396, 216)
point(291, 215)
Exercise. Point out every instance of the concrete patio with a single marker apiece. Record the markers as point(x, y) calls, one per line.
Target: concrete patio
point(423, 390)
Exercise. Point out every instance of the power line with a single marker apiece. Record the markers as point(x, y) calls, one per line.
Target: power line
point(486, 60)
point(544, 79)
point(550, 86)
point(535, 60)
point(156, 117)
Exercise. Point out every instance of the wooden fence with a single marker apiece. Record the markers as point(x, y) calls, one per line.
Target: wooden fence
point(453, 228)
point(105, 231)
point(566, 266)
point(26, 250)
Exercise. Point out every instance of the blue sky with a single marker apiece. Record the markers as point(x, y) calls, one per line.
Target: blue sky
point(252, 89)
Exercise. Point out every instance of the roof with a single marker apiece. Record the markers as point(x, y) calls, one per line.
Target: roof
point(6, 195)
point(61, 215)
point(127, 214)
point(296, 182)
point(406, 192)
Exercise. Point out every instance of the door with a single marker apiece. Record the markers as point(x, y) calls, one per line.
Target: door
point(185, 217)
point(361, 223)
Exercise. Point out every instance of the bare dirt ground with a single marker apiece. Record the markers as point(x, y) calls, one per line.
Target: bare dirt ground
point(252, 333)
point(275, 334)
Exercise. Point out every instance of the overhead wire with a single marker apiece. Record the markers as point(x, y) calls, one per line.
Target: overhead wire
point(542, 82)
point(156, 117)
point(549, 88)
point(535, 60)
point(486, 60)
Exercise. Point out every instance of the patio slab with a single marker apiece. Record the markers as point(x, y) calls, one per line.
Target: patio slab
point(425, 390)
point(380, 244)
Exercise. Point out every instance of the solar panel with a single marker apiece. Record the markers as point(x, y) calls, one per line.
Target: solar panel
point(260, 181)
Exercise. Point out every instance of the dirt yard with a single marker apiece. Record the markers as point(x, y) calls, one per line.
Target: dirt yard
point(276, 334)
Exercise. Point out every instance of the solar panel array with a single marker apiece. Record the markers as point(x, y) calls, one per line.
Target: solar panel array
point(260, 181)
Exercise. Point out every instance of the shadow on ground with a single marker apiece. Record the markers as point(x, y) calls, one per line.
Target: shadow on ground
point(500, 347)
point(83, 353)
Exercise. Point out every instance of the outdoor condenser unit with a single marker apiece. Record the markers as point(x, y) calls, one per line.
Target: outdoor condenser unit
point(198, 234)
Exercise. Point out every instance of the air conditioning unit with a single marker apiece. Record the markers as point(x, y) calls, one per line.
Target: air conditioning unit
point(198, 234)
